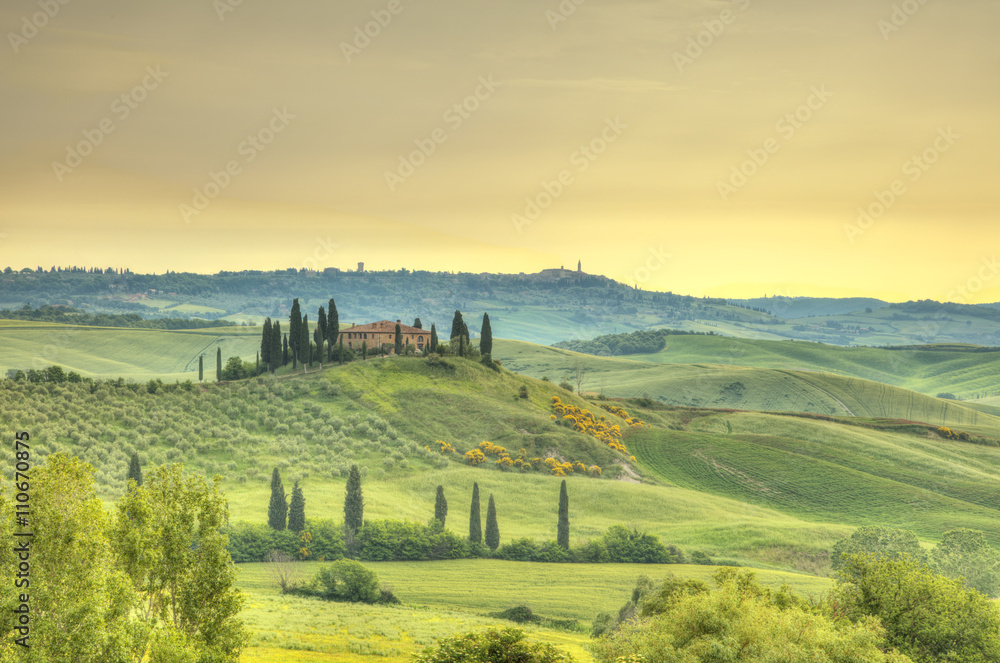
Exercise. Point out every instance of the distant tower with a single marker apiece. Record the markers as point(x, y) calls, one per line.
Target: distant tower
point(361, 266)
point(579, 267)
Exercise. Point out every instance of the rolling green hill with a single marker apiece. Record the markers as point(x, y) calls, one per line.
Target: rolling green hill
point(772, 490)
point(138, 354)
point(739, 387)
point(962, 370)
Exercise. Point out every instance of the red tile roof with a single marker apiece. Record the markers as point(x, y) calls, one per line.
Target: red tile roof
point(384, 327)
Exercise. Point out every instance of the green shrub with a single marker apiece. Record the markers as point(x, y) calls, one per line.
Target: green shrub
point(492, 646)
point(346, 580)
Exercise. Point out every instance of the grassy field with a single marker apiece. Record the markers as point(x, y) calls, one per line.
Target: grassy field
point(739, 387)
point(138, 354)
point(449, 597)
point(929, 369)
point(827, 472)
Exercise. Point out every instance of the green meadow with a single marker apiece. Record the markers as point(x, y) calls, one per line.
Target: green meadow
point(137, 354)
point(719, 385)
point(449, 597)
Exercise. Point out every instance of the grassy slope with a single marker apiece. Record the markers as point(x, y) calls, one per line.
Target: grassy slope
point(828, 472)
point(740, 387)
point(138, 354)
point(926, 371)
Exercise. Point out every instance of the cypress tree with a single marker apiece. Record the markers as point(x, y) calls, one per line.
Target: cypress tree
point(492, 531)
point(318, 337)
point(461, 346)
point(265, 343)
point(275, 353)
point(134, 469)
point(201, 367)
point(304, 341)
point(321, 336)
point(417, 323)
point(284, 350)
point(341, 358)
point(278, 508)
point(256, 364)
point(456, 325)
point(218, 364)
point(294, 329)
point(562, 531)
point(297, 510)
point(440, 505)
point(333, 325)
point(475, 523)
point(486, 336)
point(364, 350)
point(434, 338)
point(354, 507)
point(399, 340)
point(465, 332)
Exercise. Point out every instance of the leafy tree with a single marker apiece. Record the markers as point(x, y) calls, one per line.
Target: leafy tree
point(486, 336)
point(457, 325)
point(399, 340)
point(880, 540)
point(346, 580)
point(354, 507)
point(492, 646)
point(562, 531)
point(277, 509)
point(926, 616)
point(297, 510)
point(440, 505)
point(218, 364)
point(80, 601)
point(492, 531)
point(201, 367)
point(741, 622)
point(417, 323)
point(134, 469)
point(475, 523)
point(333, 323)
point(965, 553)
point(170, 541)
point(434, 338)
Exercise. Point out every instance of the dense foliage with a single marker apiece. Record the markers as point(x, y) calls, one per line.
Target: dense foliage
point(72, 316)
point(644, 341)
point(740, 621)
point(507, 645)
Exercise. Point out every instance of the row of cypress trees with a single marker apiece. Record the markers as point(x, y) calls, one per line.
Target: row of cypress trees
point(492, 536)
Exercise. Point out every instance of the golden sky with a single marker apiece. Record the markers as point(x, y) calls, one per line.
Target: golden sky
point(697, 146)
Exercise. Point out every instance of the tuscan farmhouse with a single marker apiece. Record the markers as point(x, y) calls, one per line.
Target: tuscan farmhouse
point(383, 332)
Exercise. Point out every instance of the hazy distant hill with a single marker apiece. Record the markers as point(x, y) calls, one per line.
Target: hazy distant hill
point(801, 307)
point(551, 306)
